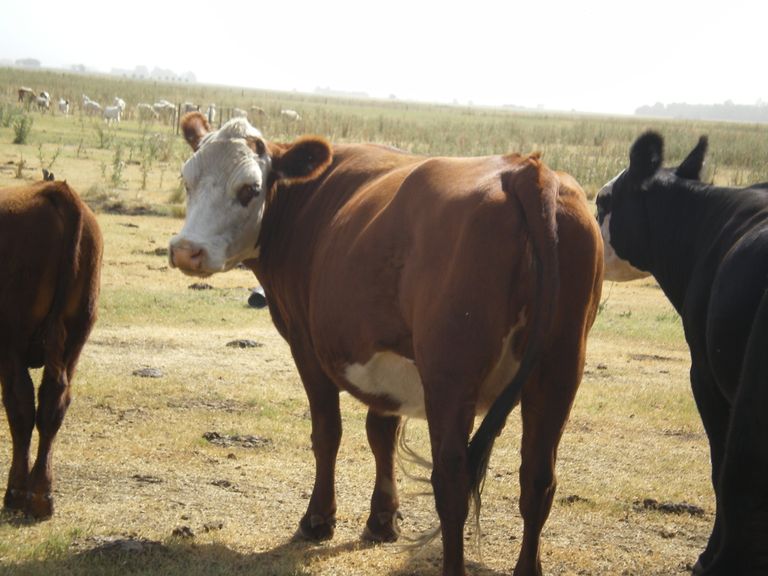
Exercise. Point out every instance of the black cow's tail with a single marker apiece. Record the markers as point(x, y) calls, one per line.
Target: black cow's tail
point(68, 207)
point(536, 188)
point(743, 490)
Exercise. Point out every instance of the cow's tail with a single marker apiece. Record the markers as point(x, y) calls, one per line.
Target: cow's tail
point(743, 490)
point(535, 187)
point(67, 206)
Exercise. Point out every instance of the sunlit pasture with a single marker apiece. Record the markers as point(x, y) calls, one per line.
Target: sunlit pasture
point(207, 468)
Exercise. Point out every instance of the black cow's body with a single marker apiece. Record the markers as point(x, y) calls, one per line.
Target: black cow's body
point(708, 249)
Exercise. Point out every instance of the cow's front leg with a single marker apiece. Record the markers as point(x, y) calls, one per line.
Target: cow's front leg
point(319, 521)
point(383, 523)
point(19, 401)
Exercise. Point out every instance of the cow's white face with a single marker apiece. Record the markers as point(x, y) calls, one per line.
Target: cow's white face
point(225, 181)
point(616, 268)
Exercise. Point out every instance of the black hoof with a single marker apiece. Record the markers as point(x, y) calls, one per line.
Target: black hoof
point(315, 528)
point(15, 500)
point(39, 506)
point(383, 527)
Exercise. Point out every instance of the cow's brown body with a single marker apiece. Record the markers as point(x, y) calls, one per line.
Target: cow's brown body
point(50, 259)
point(430, 287)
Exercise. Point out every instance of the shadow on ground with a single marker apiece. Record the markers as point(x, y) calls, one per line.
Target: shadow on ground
point(106, 556)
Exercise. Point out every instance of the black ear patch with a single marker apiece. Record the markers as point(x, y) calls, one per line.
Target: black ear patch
point(646, 156)
point(691, 167)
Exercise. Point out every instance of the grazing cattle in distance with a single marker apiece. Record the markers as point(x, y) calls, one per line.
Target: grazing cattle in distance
point(43, 101)
point(92, 108)
point(165, 110)
point(707, 247)
point(146, 112)
point(438, 288)
point(257, 112)
point(112, 114)
point(239, 113)
point(64, 106)
point(120, 103)
point(290, 115)
point(50, 261)
point(26, 95)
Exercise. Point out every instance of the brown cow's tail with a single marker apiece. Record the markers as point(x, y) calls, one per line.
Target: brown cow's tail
point(67, 205)
point(743, 492)
point(536, 188)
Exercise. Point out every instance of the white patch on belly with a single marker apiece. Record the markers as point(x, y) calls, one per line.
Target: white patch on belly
point(397, 378)
point(393, 376)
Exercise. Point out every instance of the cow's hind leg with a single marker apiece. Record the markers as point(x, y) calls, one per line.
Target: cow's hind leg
point(450, 417)
point(19, 401)
point(545, 406)
point(53, 401)
point(714, 411)
point(382, 525)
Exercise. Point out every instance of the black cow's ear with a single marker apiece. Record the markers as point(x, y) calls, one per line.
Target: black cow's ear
point(691, 167)
point(646, 156)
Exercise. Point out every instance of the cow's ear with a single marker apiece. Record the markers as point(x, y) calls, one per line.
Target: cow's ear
point(691, 167)
point(195, 126)
point(303, 160)
point(646, 156)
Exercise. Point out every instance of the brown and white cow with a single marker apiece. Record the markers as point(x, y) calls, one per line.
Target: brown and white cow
point(438, 288)
point(26, 95)
point(50, 260)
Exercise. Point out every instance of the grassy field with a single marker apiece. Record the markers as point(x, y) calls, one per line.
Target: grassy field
point(207, 469)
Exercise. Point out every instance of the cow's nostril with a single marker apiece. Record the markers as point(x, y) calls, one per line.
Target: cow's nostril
point(186, 256)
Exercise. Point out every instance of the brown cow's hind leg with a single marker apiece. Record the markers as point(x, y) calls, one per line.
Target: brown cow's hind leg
point(383, 523)
point(450, 421)
point(545, 406)
point(19, 401)
point(53, 401)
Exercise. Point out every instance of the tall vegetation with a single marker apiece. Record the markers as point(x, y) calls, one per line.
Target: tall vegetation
point(592, 148)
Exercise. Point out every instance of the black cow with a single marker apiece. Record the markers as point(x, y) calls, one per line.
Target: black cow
point(707, 247)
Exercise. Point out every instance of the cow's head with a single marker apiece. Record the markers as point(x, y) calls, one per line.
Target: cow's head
point(622, 210)
point(227, 180)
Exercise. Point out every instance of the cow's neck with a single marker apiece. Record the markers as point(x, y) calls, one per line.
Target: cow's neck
point(284, 252)
point(294, 221)
point(685, 223)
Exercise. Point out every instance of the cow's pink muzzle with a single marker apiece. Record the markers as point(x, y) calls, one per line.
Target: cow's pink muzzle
point(186, 256)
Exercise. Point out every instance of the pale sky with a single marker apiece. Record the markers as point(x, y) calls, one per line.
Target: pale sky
point(586, 55)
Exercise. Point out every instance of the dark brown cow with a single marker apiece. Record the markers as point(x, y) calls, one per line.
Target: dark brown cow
point(430, 287)
point(50, 259)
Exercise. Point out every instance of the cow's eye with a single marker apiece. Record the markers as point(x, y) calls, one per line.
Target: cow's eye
point(246, 193)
